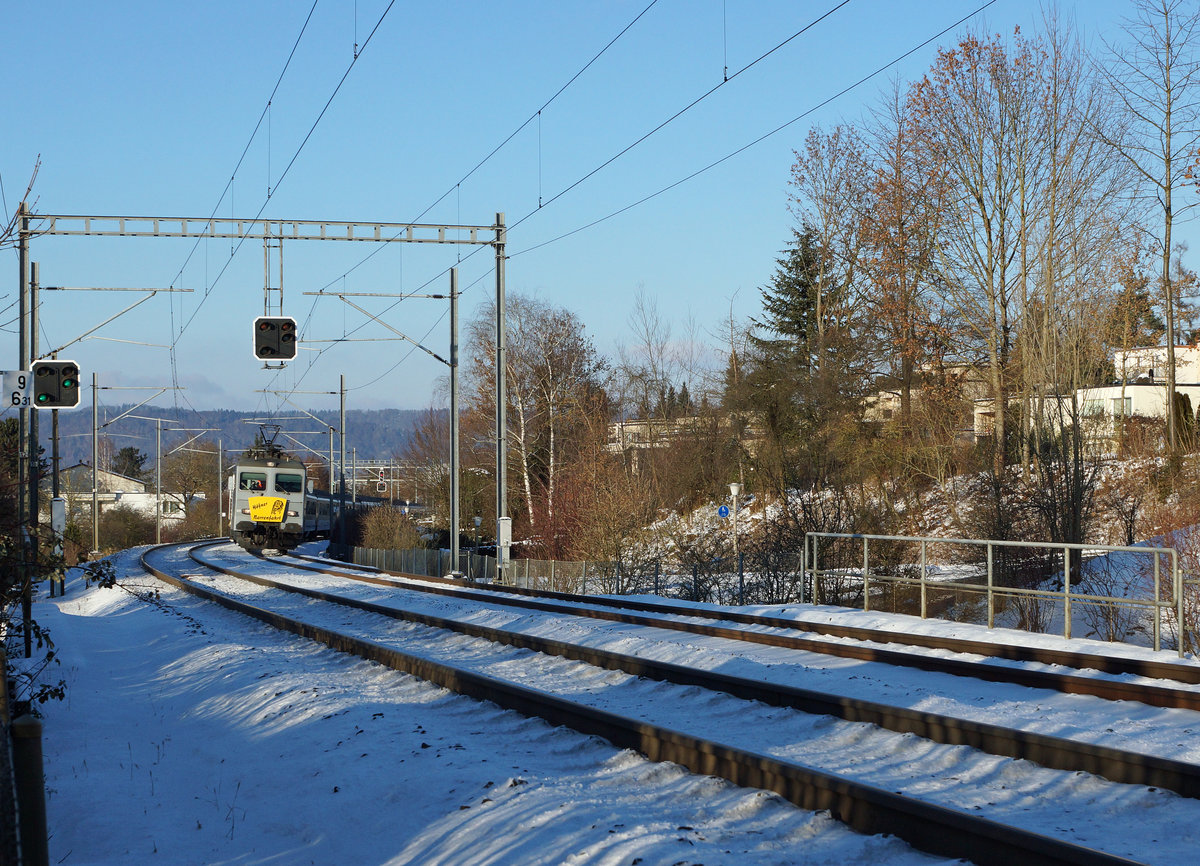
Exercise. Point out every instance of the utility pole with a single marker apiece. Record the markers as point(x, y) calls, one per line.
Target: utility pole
point(454, 529)
point(342, 465)
point(23, 363)
point(501, 400)
point(54, 455)
point(60, 566)
point(158, 480)
point(95, 470)
point(32, 500)
point(220, 488)
point(34, 480)
point(735, 490)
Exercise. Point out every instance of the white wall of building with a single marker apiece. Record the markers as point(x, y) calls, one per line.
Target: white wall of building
point(1150, 362)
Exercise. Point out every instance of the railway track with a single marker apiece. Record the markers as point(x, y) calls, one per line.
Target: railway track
point(1054, 752)
point(868, 808)
point(1153, 669)
point(1075, 680)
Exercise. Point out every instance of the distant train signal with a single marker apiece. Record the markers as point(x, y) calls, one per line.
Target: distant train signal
point(274, 338)
point(55, 384)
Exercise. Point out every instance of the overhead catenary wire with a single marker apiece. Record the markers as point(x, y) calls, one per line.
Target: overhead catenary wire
point(709, 166)
point(457, 186)
point(295, 155)
point(858, 83)
point(253, 135)
point(756, 141)
point(291, 162)
point(228, 190)
point(683, 110)
point(537, 115)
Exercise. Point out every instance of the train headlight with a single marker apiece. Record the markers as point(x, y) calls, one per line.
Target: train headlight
point(293, 514)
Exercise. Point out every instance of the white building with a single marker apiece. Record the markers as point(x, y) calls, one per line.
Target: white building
point(1143, 393)
point(75, 485)
point(1148, 365)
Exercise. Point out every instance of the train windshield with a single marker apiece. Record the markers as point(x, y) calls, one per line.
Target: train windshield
point(289, 482)
point(252, 481)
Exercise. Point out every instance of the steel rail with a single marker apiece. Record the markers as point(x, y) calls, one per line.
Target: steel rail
point(1011, 652)
point(1066, 683)
point(865, 808)
point(1056, 753)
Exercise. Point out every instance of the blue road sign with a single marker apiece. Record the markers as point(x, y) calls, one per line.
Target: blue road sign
point(723, 511)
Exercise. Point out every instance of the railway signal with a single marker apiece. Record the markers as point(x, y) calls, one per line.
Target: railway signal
point(274, 338)
point(55, 384)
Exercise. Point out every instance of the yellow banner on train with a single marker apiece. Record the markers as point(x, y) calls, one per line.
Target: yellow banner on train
point(267, 509)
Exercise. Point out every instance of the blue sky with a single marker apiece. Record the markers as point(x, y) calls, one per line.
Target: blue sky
point(144, 109)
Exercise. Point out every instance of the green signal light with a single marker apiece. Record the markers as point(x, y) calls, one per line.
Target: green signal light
point(57, 384)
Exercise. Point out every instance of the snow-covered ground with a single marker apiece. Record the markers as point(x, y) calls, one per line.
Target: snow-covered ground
point(190, 735)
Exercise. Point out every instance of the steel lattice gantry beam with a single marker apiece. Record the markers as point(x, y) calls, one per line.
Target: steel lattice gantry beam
point(230, 227)
point(495, 235)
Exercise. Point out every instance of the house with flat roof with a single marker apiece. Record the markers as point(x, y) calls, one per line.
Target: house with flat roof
point(112, 489)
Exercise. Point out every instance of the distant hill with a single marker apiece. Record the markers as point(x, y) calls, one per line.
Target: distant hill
point(376, 433)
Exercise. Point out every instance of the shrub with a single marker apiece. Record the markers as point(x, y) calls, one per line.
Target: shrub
point(122, 527)
point(387, 529)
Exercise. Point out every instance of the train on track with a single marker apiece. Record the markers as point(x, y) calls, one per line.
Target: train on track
point(272, 505)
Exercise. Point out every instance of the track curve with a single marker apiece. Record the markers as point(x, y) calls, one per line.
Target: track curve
point(931, 828)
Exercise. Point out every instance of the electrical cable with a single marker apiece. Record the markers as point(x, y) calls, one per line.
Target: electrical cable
point(500, 146)
point(227, 190)
point(284, 174)
point(683, 111)
point(756, 141)
point(458, 186)
point(537, 114)
point(253, 135)
point(643, 138)
point(208, 290)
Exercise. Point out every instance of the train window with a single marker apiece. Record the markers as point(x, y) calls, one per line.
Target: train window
point(253, 481)
point(288, 482)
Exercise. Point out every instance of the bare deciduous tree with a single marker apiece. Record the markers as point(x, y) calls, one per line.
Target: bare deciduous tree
point(972, 113)
point(900, 234)
point(554, 378)
point(1154, 78)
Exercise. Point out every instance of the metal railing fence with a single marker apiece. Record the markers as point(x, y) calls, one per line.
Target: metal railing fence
point(1108, 592)
point(573, 577)
point(840, 569)
point(716, 582)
